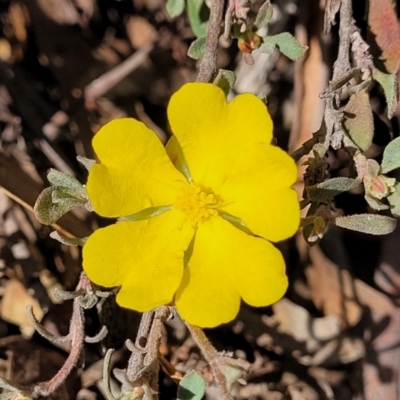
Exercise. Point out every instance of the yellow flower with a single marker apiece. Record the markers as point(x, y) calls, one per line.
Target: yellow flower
point(206, 208)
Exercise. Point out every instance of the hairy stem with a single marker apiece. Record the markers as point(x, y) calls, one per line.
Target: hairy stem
point(208, 66)
point(211, 356)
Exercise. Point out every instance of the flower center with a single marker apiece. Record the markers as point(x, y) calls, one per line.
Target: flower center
point(198, 204)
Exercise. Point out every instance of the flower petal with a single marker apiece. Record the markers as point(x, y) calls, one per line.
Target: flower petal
point(214, 131)
point(257, 190)
point(227, 264)
point(135, 171)
point(145, 257)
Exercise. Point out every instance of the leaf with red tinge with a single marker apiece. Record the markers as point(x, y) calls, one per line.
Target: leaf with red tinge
point(383, 23)
point(359, 122)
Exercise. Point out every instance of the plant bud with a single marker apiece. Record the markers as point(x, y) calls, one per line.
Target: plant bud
point(249, 41)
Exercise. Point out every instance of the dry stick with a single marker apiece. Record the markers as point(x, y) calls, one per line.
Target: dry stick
point(208, 65)
point(333, 117)
point(211, 356)
point(342, 64)
point(107, 81)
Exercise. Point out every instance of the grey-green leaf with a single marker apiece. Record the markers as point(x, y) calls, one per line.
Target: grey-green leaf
point(267, 47)
point(191, 387)
point(58, 178)
point(367, 223)
point(197, 48)
point(198, 21)
point(359, 122)
point(330, 188)
point(68, 240)
point(264, 15)
point(48, 211)
point(86, 162)
point(288, 45)
point(175, 7)
point(225, 80)
point(390, 87)
point(394, 201)
point(391, 156)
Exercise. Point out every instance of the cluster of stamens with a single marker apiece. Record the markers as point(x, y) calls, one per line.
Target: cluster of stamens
point(197, 203)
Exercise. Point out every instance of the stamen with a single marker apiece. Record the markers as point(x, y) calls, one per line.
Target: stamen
point(198, 204)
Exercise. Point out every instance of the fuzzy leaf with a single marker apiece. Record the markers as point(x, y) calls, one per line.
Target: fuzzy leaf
point(225, 80)
point(264, 15)
point(197, 48)
point(359, 122)
point(58, 178)
point(191, 387)
point(367, 223)
point(67, 240)
point(375, 203)
point(86, 162)
point(391, 156)
point(330, 188)
point(267, 47)
point(198, 22)
point(394, 201)
point(53, 203)
point(288, 45)
point(383, 23)
point(175, 7)
point(390, 87)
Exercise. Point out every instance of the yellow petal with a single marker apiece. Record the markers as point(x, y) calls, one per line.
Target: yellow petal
point(145, 257)
point(135, 171)
point(213, 131)
point(227, 264)
point(257, 190)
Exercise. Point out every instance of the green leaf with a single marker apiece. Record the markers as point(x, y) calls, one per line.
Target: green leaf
point(197, 48)
point(236, 222)
point(191, 387)
point(288, 45)
point(175, 154)
point(146, 213)
point(53, 203)
point(367, 223)
point(359, 122)
point(175, 7)
point(390, 87)
point(330, 188)
point(197, 18)
point(391, 156)
point(225, 80)
point(264, 15)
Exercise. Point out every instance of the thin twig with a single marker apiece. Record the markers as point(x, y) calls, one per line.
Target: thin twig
point(208, 65)
point(107, 81)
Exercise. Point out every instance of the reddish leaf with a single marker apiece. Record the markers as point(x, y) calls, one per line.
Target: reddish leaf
point(384, 25)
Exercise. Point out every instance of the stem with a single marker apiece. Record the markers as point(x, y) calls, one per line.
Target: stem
point(211, 356)
point(208, 65)
point(342, 64)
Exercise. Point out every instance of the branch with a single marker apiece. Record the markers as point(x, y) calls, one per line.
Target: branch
point(208, 66)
